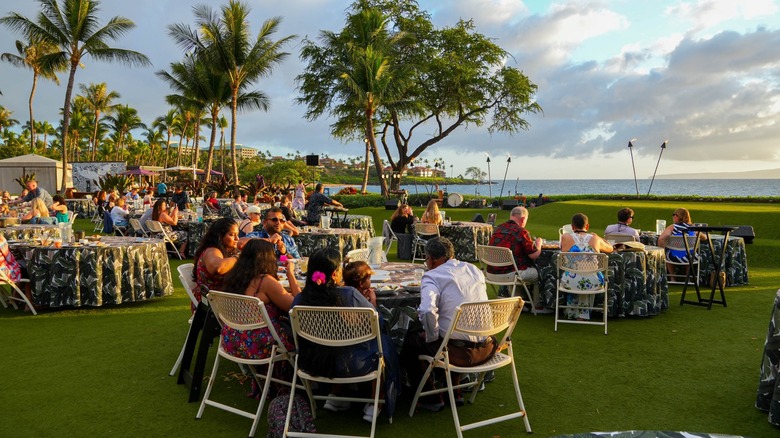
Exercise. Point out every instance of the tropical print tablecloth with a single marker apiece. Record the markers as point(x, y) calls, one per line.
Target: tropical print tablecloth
point(124, 270)
point(342, 239)
point(768, 398)
point(465, 237)
point(30, 232)
point(736, 258)
point(355, 222)
point(637, 282)
point(84, 207)
point(399, 309)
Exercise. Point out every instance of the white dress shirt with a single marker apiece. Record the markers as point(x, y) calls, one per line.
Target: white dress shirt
point(442, 290)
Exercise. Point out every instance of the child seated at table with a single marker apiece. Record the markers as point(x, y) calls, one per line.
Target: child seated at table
point(358, 275)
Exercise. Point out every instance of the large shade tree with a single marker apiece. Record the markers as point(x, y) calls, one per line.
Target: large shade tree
point(453, 77)
point(225, 41)
point(72, 27)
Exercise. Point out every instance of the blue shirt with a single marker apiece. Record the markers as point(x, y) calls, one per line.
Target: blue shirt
point(162, 188)
point(292, 248)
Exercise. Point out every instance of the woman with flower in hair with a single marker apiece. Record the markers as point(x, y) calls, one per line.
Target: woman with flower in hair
point(325, 287)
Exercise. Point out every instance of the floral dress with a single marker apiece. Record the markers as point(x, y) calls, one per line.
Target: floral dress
point(205, 281)
point(581, 282)
point(8, 264)
point(256, 344)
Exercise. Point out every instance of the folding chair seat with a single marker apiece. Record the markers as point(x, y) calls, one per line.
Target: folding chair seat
point(156, 228)
point(500, 257)
point(389, 236)
point(335, 327)
point(481, 318)
point(582, 267)
point(13, 294)
point(422, 233)
point(687, 244)
point(185, 276)
point(244, 313)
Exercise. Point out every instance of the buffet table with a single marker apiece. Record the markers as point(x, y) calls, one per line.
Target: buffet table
point(114, 271)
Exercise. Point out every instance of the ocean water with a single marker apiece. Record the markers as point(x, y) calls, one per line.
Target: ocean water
point(532, 188)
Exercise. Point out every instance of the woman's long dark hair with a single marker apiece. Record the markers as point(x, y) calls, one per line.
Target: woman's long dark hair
point(157, 209)
point(213, 239)
point(327, 261)
point(257, 258)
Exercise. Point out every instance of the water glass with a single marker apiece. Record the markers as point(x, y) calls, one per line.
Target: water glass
point(660, 226)
point(418, 275)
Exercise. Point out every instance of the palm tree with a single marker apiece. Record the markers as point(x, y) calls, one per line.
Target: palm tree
point(6, 121)
point(98, 100)
point(72, 27)
point(154, 137)
point(124, 120)
point(31, 55)
point(46, 129)
point(166, 122)
point(223, 123)
point(225, 42)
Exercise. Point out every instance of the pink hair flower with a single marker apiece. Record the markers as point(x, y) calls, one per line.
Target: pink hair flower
point(318, 277)
point(283, 258)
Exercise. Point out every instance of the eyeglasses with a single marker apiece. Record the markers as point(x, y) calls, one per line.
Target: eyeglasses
point(277, 219)
point(631, 217)
point(674, 215)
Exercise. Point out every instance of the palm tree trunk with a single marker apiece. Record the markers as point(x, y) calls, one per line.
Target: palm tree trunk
point(65, 122)
point(32, 120)
point(167, 147)
point(94, 136)
point(366, 165)
point(233, 129)
point(210, 158)
point(377, 160)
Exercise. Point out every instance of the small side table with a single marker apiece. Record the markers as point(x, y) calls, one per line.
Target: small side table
point(717, 260)
point(338, 213)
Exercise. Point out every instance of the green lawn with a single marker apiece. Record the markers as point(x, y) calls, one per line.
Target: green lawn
point(104, 371)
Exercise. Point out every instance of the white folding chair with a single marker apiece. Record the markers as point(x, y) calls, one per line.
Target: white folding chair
point(500, 257)
point(72, 217)
point(185, 276)
point(582, 267)
point(422, 232)
point(690, 245)
point(389, 236)
point(481, 318)
point(618, 238)
point(357, 255)
point(13, 294)
point(135, 225)
point(243, 312)
point(491, 219)
point(564, 230)
point(335, 327)
point(156, 228)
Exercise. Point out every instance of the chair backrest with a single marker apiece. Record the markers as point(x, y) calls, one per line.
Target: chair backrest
point(620, 237)
point(355, 255)
point(135, 224)
point(155, 226)
point(242, 312)
point(185, 276)
point(678, 243)
point(486, 318)
point(108, 223)
point(72, 216)
point(583, 263)
point(496, 256)
point(491, 219)
point(335, 326)
point(387, 231)
point(424, 229)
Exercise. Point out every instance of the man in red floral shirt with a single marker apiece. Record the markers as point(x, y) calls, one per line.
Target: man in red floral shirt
point(513, 235)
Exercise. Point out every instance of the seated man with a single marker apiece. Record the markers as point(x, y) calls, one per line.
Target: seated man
point(625, 217)
point(513, 235)
point(273, 224)
point(447, 284)
point(181, 198)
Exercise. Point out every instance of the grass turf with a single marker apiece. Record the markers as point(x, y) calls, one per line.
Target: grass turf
point(104, 371)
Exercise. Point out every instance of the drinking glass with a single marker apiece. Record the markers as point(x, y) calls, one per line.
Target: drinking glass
point(418, 275)
point(660, 226)
point(58, 243)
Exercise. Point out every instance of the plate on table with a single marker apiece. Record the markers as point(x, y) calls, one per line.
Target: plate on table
point(411, 286)
point(380, 276)
point(383, 291)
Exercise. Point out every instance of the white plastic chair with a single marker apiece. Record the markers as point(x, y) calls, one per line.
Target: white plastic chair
point(618, 238)
point(244, 313)
point(500, 257)
point(422, 232)
point(335, 327)
point(360, 254)
point(389, 236)
point(581, 264)
point(185, 276)
point(72, 217)
point(137, 228)
point(481, 318)
point(13, 294)
point(690, 245)
point(155, 227)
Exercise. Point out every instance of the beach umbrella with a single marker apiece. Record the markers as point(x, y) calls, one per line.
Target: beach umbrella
point(142, 172)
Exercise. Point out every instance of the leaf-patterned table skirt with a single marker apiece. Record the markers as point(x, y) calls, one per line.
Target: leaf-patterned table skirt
point(465, 237)
point(342, 239)
point(399, 310)
point(84, 207)
point(125, 270)
point(355, 222)
point(637, 282)
point(736, 258)
point(768, 398)
point(30, 232)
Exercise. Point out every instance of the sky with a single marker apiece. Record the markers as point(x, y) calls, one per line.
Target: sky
point(703, 75)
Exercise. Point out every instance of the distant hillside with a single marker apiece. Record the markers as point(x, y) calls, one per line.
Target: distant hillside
point(751, 174)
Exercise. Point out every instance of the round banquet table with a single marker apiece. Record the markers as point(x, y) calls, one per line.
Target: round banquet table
point(30, 232)
point(120, 270)
point(342, 239)
point(735, 266)
point(354, 222)
point(637, 281)
point(768, 397)
point(465, 236)
point(398, 308)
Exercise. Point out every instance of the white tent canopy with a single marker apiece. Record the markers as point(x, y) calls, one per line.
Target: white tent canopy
point(47, 172)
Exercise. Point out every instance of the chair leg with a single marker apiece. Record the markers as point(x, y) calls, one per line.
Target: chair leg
point(181, 353)
point(519, 397)
point(453, 406)
point(208, 388)
point(264, 394)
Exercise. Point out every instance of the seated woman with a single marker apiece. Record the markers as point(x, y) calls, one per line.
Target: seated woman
point(38, 212)
point(60, 209)
point(358, 275)
point(216, 256)
point(431, 214)
point(8, 264)
point(119, 213)
point(255, 218)
point(324, 287)
point(681, 220)
point(289, 213)
point(254, 274)
point(582, 241)
point(402, 220)
point(170, 219)
point(6, 197)
point(211, 203)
